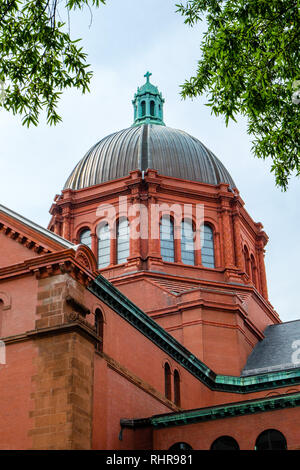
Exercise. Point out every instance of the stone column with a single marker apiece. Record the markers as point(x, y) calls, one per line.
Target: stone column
point(135, 216)
point(262, 271)
point(94, 246)
point(227, 238)
point(217, 250)
point(66, 216)
point(153, 229)
point(237, 241)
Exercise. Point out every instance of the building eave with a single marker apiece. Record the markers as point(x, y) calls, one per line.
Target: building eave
point(231, 410)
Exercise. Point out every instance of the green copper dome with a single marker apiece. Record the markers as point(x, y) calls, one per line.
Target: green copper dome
point(148, 104)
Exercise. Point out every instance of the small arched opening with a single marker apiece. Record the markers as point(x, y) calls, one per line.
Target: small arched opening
point(99, 329)
point(85, 237)
point(167, 239)
point(271, 439)
point(123, 242)
point(253, 270)
point(187, 243)
point(246, 260)
point(167, 381)
point(207, 246)
point(103, 246)
point(225, 443)
point(181, 446)
point(176, 388)
point(152, 108)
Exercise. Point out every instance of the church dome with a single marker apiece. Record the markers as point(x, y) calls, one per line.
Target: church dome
point(170, 151)
point(148, 144)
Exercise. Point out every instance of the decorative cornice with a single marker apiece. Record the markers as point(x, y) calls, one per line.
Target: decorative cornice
point(74, 322)
point(49, 265)
point(105, 291)
point(22, 239)
point(30, 234)
point(216, 412)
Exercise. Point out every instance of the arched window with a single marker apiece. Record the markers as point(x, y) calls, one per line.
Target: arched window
point(181, 446)
point(246, 260)
point(271, 439)
point(85, 237)
point(143, 108)
point(187, 243)
point(225, 443)
point(167, 381)
point(253, 270)
point(103, 246)
point(152, 108)
point(167, 238)
point(176, 388)
point(207, 246)
point(122, 240)
point(99, 329)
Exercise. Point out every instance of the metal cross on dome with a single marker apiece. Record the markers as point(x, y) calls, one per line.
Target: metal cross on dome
point(148, 75)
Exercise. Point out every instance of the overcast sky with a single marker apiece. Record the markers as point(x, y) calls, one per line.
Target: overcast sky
point(127, 38)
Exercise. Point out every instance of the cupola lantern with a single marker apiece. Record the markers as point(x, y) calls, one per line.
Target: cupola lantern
point(148, 104)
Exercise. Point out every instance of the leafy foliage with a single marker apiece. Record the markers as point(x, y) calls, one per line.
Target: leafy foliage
point(38, 58)
point(250, 60)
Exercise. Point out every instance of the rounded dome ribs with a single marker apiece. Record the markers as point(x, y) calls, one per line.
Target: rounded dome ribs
point(170, 151)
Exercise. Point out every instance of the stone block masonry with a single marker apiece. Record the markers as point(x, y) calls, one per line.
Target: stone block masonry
point(62, 393)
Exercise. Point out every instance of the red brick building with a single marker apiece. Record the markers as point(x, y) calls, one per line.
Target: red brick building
point(140, 318)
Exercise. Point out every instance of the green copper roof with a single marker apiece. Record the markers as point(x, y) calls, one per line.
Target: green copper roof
point(230, 410)
point(148, 104)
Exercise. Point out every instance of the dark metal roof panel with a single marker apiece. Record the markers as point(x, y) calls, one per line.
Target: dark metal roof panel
point(277, 351)
point(170, 151)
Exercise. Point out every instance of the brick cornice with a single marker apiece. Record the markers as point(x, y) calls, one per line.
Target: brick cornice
point(29, 237)
point(25, 240)
point(74, 324)
point(51, 264)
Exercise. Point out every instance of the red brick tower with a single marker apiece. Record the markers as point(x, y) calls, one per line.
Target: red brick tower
point(168, 227)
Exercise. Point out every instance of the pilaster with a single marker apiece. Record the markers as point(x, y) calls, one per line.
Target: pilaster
point(62, 388)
